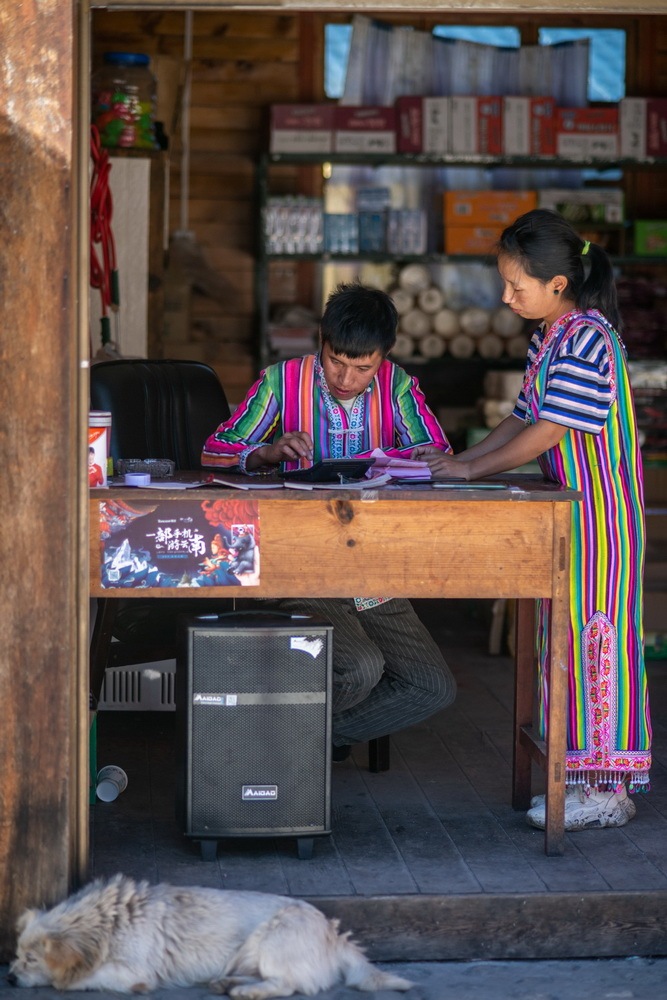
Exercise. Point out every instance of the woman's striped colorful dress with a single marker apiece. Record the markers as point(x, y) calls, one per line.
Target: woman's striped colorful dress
point(577, 376)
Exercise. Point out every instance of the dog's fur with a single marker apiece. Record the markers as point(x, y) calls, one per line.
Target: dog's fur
point(132, 937)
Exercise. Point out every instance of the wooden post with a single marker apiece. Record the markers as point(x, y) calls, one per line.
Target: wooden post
point(41, 452)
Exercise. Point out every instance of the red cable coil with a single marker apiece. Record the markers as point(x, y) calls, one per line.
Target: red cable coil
point(103, 273)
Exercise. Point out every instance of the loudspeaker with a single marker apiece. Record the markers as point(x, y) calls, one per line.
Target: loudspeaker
point(253, 711)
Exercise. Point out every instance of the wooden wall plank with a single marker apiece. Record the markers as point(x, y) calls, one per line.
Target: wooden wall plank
point(41, 455)
point(214, 24)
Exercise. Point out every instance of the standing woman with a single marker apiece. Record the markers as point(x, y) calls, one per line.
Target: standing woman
point(575, 414)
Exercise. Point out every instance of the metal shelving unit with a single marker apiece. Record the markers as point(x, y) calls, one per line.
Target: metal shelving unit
point(329, 160)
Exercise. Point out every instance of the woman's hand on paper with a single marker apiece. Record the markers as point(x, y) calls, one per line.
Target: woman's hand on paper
point(442, 464)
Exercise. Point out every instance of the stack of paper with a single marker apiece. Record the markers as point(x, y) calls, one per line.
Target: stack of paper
point(400, 468)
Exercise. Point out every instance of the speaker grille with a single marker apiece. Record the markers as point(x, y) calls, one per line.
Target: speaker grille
point(265, 746)
point(258, 718)
point(257, 660)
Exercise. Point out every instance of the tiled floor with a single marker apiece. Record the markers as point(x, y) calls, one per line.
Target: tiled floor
point(439, 823)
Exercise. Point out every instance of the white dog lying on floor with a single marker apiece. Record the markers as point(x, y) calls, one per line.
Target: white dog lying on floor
point(132, 937)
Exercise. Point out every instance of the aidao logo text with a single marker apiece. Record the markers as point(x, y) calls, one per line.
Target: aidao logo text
point(259, 793)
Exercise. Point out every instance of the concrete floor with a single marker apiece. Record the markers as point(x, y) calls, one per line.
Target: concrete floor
point(607, 979)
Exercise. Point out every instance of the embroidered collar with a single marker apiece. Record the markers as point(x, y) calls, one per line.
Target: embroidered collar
point(345, 428)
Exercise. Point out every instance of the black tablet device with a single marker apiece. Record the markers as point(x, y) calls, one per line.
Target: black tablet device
point(331, 470)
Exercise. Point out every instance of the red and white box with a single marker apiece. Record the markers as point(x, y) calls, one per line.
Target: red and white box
point(643, 127)
point(364, 129)
point(301, 128)
point(587, 133)
point(476, 125)
point(529, 126)
point(422, 125)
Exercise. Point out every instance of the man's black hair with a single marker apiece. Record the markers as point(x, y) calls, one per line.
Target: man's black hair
point(359, 321)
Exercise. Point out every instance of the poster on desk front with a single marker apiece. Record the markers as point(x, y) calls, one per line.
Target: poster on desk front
point(174, 543)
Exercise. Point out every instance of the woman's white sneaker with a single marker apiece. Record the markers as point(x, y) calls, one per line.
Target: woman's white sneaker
point(583, 810)
point(538, 800)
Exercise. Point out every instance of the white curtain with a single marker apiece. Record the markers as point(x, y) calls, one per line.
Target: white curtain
point(388, 62)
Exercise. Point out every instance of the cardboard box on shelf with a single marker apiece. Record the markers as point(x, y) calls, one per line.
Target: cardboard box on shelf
point(476, 125)
point(365, 129)
point(422, 125)
point(341, 232)
point(587, 133)
point(301, 128)
point(583, 205)
point(407, 231)
point(486, 208)
point(471, 239)
point(651, 237)
point(643, 125)
point(529, 126)
point(292, 341)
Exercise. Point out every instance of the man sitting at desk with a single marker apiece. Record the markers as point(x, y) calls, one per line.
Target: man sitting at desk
point(388, 673)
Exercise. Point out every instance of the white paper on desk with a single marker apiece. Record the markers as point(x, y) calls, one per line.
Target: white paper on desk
point(256, 484)
point(401, 468)
point(355, 484)
point(164, 484)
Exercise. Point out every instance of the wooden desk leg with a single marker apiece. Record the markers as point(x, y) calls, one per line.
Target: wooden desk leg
point(556, 723)
point(524, 686)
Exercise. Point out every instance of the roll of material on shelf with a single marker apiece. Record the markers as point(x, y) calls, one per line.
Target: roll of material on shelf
point(517, 347)
point(446, 323)
point(376, 275)
point(502, 385)
point(462, 346)
point(432, 346)
point(490, 346)
point(414, 278)
point(506, 323)
point(415, 323)
point(430, 300)
point(404, 346)
point(403, 300)
point(495, 411)
point(475, 321)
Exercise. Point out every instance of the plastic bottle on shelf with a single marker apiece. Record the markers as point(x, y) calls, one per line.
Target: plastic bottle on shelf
point(124, 93)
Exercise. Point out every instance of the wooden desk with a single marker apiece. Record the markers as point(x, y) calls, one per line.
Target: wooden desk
point(416, 542)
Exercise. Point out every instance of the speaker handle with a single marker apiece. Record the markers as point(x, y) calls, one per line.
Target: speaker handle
point(216, 616)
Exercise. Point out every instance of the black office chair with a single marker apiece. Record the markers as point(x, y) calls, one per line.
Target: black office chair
point(159, 409)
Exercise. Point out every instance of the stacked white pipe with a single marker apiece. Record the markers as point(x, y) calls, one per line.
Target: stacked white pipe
point(501, 390)
point(429, 326)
